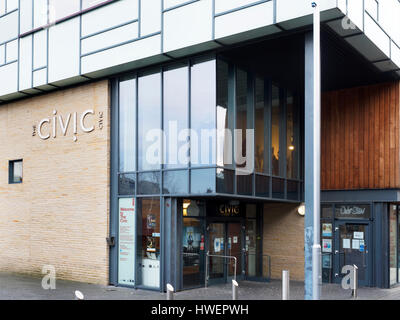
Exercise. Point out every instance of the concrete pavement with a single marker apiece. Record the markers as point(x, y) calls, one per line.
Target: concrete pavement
point(19, 287)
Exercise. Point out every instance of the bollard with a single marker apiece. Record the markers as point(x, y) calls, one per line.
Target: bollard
point(170, 292)
point(285, 285)
point(355, 284)
point(79, 295)
point(235, 290)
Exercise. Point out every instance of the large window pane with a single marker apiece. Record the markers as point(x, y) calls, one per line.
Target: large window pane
point(176, 182)
point(202, 114)
point(225, 181)
point(148, 251)
point(176, 116)
point(261, 134)
point(291, 139)
point(275, 134)
point(225, 115)
point(126, 184)
point(149, 183)
point(127, 125)
point(149, 122)
point(202, 181)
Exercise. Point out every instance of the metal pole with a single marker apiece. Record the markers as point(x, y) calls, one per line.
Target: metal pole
point(235, 289)
point(234, 268)
point(170, 292)
point(316, 251)
point(206, 278)
point(285, 285)
point(355, 284)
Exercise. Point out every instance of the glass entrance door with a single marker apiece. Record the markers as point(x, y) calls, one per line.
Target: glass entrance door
point(351, 248)
point(234, 249)
point(224, 239)
point(216, 264)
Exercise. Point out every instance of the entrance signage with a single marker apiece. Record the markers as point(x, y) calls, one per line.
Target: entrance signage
point(352, 211)
point(126, 259)
point(48, 127)
point(228, 210)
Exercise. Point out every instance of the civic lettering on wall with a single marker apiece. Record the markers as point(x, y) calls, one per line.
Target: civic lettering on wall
point(68, 124)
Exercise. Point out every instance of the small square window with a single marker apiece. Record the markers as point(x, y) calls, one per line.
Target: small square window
point(15, 171)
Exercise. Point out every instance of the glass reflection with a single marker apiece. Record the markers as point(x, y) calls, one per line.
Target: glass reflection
point(275, 134)
point(225, 181)
point(202, 114)
point(202, 181)
point(149, 183)
point(126, 184)
point(291, 141)
point(176, 182)
point(148, 251)
point(261, 163)
point(176, 110)
point(127, 125)
point(149, 122)
point(225, 116)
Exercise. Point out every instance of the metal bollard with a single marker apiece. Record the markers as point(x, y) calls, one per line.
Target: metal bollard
point(79, 295)
point(355, 284)
point(235, 290)
point(170, 292)
point(285, 285)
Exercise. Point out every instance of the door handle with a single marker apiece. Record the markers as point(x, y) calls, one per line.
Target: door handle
point(336, 251)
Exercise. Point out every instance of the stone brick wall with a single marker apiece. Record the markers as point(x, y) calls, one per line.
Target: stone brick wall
point(59, 215)
point(283, 240)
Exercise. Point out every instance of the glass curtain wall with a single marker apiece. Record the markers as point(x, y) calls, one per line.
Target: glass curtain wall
point(179, 127)
point(187, 127)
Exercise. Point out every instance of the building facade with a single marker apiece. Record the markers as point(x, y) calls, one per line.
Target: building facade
point(165, 141)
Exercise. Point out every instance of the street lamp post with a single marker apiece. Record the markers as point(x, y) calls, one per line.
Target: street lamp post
point(316, 249)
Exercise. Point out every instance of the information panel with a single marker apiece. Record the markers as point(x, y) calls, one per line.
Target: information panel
point(126, 252)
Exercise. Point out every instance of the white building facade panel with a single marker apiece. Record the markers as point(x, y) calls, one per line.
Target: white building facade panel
point(69, 47)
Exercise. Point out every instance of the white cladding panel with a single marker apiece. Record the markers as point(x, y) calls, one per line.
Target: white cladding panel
point(289, 9)
point(40, 13)
point(25, 15)
point(355, 12)
point(122, 54)
point(8, 78)
point(223, 5)
point(9, 27)
point(173, 3)
point(2, 54)
point(12, 51)
point(150, 17)
point(188, 25)
point(40, 49)
point(112, 15)
point(377, 35)
point(243, 20)
point(40, 77)
point(110, 38)
point(64, 50)
point(12, 5)
point(25, 63)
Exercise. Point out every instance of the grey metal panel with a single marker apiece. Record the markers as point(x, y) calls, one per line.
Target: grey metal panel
point(360, 196)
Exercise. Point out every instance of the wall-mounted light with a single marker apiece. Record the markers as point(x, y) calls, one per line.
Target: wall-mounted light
point(291, 148)
point(301, 210)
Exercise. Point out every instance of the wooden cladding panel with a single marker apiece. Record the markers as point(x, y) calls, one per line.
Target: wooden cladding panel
point(360, 138)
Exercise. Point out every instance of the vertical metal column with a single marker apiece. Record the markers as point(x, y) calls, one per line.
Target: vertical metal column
point(170, 292)
point(312, 159)
point(235, 289)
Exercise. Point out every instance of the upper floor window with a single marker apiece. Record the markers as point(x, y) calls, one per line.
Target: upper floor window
point(15, 172)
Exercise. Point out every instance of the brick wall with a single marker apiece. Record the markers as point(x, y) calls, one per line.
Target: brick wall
point(283, 240)
point(59, 214)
